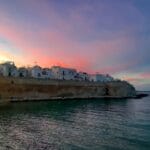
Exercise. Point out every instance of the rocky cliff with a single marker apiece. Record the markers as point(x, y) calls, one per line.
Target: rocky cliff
point(122, 89)
point(27, 89)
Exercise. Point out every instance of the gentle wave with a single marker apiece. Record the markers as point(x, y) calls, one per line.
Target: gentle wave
point(85, 124)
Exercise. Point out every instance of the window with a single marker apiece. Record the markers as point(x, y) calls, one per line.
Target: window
point(21, 74)
point(39, 75)
point(9, 74)
point(44, 73)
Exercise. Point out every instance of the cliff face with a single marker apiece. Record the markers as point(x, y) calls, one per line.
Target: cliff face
point(17, 88)
point(121, 89)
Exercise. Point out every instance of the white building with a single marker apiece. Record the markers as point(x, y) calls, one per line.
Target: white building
point(36, 72)
point(47, 73)
point(8, 69)
point(109, 78)
point(23, 72)
point(83, 76)
point(62, 73)
point(101, 78)
point(43, 73)
point(56, 72)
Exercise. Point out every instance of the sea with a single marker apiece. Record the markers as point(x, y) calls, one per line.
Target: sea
point(89, 124)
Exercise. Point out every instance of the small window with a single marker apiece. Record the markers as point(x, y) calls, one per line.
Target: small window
point(39, 75)
point(44, 72)
point(21, 74)
point(9, 74)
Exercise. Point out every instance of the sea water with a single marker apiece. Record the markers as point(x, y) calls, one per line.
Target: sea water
point(95, 124)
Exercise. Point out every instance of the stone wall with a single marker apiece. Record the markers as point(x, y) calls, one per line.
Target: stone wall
point(26, 89)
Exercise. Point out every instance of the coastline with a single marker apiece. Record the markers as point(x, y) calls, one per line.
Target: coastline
point(67, 98)
point(138, 96)
point(13, 100)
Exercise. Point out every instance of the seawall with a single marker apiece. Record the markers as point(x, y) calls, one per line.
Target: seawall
point(20, 89)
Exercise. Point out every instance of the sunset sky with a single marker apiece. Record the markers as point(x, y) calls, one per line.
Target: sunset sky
point(105, 36)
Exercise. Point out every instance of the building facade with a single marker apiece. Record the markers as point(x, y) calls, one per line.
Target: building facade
point(8, 69)
point(47, 73)
point(62, 73)
point(23, 72)
point(83, 76)
point(36, 72)
point(101, 78)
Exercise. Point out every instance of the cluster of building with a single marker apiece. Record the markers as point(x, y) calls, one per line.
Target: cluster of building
point(8, 69)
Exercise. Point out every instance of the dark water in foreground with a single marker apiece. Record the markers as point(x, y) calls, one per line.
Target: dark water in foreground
point(76, 125)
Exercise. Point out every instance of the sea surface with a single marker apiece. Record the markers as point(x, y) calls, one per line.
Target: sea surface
point(101, 124)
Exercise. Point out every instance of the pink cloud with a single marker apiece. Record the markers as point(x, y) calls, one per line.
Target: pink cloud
point(49, 46)
point(145, 75)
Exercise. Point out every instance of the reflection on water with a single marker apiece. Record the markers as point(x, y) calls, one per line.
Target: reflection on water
point(84, 124)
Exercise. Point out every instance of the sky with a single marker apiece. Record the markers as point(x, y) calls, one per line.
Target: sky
point(104, 36)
